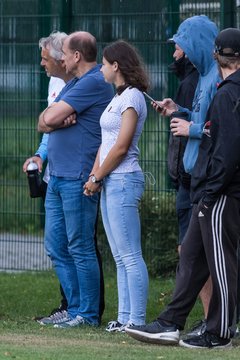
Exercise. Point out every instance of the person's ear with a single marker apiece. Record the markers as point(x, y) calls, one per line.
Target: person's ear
point(115, 66)
point(77, 56)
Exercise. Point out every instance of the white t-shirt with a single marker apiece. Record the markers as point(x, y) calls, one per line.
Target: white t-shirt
point(111, 123)
point(54, 87)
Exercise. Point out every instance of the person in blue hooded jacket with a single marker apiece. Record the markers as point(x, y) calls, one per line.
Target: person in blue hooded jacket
point(195, 36)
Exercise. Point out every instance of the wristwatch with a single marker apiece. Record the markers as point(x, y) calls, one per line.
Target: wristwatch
point(94, 180)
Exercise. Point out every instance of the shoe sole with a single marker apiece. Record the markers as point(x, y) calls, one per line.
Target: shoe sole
point(58, 326)
point(167, 338)
point(41, 323)
point(183, 344)
point(47, 323)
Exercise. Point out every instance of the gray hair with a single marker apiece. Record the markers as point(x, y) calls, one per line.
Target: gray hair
point(53, 43)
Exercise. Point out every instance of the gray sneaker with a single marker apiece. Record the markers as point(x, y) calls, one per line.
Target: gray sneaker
point(156, 333)
point(57, 317)
point(198, 328)
point(69, 323)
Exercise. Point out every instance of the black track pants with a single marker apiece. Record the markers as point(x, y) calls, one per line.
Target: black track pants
point(209, 248)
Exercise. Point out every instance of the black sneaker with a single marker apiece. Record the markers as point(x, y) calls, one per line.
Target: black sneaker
point(206, 341)
point(198, 328)
point(156, 333)
point(115, 326)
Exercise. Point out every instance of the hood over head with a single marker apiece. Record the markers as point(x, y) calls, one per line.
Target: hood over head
point(196, 37)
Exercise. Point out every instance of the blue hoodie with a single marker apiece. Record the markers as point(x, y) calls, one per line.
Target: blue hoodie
point(196, 37)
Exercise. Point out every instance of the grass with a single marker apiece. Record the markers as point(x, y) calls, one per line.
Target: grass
point(25, 295)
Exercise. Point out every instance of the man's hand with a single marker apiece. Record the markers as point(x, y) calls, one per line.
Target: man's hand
point(165, 107)
point(36, 159)
point(57, 115)
point(179, 127)
point(70, 120)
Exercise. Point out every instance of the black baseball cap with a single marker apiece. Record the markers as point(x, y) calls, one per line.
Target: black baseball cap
point(228, 42)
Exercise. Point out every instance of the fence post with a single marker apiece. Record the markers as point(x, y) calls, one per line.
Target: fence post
point(45, 16)
point(173, 10)
point(66, 16)
point(44, 30)
point(228, 14)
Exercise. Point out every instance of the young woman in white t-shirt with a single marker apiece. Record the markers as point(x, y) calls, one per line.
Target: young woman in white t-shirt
point(117, 173)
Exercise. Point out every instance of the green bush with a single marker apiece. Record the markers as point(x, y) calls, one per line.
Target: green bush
point(159, 232)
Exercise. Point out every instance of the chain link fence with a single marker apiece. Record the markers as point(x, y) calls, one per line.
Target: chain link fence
point(23, 94)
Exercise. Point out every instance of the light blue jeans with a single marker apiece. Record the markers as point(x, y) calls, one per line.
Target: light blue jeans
point(69, 241)
point(120, 198)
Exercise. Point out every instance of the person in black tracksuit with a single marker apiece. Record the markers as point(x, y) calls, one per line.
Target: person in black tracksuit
point(216, 193)
point(211, 242)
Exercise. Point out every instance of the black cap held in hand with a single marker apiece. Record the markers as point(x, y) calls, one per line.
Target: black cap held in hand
point(228, 42)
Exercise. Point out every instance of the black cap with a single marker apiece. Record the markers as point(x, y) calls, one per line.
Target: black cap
point(228, 42)
point(170, 41)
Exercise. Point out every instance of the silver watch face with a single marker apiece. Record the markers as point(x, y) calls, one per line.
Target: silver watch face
point(93, 179)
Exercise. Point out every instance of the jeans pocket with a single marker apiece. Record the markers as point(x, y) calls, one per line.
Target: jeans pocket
point(133, 192)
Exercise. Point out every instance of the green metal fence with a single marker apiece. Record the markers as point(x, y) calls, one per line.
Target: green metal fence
point(23, 93)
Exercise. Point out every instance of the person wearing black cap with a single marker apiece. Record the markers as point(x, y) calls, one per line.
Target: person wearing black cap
point(228, 45)
point(211, 242)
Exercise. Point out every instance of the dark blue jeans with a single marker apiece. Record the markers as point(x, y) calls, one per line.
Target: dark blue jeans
point(69, 241)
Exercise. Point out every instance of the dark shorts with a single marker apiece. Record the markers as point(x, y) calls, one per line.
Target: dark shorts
point(184, 216)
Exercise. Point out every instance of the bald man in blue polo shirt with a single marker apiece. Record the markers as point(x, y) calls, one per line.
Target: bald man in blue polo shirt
point(74, 138)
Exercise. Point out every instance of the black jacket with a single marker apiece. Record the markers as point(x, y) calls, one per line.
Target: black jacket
point(217, 169)
point(188, 76)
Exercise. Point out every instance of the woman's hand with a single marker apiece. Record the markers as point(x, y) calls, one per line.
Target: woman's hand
point(91, 188)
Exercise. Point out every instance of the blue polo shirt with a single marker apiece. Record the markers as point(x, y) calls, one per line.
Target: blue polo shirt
point(72, 150)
